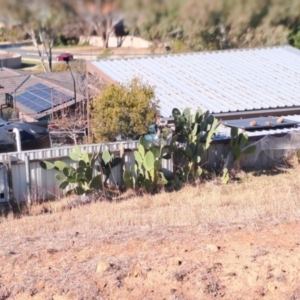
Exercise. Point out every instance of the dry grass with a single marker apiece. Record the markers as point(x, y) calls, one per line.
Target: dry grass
point(173, 238)
point(254, 201)
point(98, 50)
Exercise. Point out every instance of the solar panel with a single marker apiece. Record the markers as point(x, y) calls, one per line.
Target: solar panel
point(27, 102)
point(38, 87)
point(41, 97)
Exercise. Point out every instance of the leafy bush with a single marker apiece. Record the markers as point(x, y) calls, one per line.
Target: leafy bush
point(75, 65)
point(123, 112)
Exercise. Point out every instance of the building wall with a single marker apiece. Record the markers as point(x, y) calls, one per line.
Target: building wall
point(9, 60)
point(128, 41)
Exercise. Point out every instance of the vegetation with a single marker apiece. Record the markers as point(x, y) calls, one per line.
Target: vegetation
point(192, 137)
point(215, 24)
point(9, 113)
point(123, 112)
point(50, 23)
point(194, 132)
point(148, 171)
point(75, 65)
point(186, 146)
point(185, 25)
point(190, 25)
point(238, 147)
point(82, 176)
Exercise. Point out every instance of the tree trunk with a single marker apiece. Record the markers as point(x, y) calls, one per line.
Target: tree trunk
point(50, 45)
point(224, 42)
point(34, 41)
point(50, 56)
point(105, 41)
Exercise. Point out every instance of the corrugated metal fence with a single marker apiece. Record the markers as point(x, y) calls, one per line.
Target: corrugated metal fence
point(22, 178)
point(30, 181)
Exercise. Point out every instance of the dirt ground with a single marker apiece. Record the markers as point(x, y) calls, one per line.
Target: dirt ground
point(171, 263)
point(236, 241)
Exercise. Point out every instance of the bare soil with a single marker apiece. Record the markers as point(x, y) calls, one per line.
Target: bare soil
point(165, 263)
point(240, 241)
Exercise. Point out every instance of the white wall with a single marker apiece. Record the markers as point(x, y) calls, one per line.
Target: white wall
point(128, 41)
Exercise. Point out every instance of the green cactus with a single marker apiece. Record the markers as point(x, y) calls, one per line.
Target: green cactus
point(107, 163)
point(192, 137)
point(82, 175)
point(237, 146)
point(195, 132)
point(147, 171)
point(237, 143)
point(225, 177)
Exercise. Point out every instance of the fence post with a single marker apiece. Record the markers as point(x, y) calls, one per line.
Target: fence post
point(9, 180)
point(28, 178)
point(122, 164)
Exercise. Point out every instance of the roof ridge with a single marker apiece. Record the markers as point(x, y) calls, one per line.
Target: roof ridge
point(22, 83)
point(197, 53)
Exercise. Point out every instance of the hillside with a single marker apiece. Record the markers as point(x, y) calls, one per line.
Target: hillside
point(236, 241)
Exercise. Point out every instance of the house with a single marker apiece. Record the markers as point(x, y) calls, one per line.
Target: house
point(231, 84)
point(36, 97)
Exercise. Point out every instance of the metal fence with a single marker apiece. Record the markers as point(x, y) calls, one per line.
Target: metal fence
point(27, 181)
point(23, 179)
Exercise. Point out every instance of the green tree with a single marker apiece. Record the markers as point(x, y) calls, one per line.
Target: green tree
point(42, 21)
point(123, 112)
point(214, 24)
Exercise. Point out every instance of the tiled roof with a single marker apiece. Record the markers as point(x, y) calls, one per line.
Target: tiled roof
point(14, 82)
point(33, 80)
point(65, 80)
point(5, 72)
point(222, 82)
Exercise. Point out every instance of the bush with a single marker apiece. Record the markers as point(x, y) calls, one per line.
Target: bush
point(123, 112)
point(75, 65)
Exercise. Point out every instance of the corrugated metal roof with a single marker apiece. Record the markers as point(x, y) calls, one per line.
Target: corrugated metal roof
point(224, 132)
point(219, 81)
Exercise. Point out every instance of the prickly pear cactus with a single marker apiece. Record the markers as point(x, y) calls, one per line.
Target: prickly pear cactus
point(195, 133)
point(82, 175)
point(238, 148)
point(238, 142)
point(147, 171)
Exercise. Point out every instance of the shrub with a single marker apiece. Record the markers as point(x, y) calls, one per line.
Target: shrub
point(123, 112)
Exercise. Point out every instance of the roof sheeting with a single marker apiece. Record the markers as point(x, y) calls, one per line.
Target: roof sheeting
point(219, 81)
point(224, 132)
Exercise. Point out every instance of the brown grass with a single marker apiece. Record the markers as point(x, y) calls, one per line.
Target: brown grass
point(256, 199)
point(199, 243)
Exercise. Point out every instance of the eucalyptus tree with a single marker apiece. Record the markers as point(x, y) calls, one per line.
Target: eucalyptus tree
point(216, 24)
point(42, 20)
point(96, 16)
